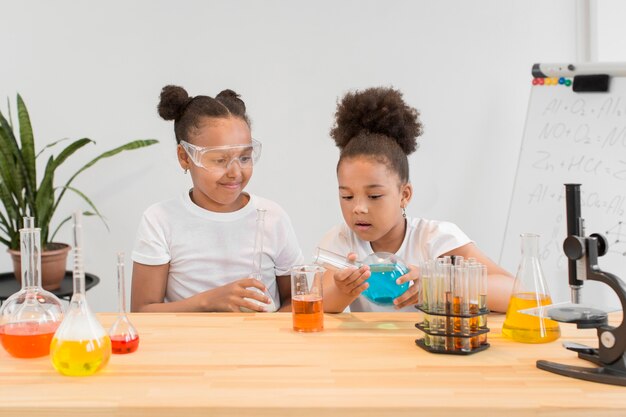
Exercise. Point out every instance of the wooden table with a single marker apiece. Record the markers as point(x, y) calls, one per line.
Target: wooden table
point(254, 365)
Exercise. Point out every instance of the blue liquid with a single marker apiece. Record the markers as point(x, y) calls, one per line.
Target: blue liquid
point(382, 284)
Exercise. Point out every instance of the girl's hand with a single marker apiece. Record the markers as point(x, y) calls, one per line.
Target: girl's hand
point(232, 297)
point(351, 281)
point(411, 295)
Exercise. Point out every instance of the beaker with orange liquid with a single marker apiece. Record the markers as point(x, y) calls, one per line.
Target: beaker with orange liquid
point(29, 318)
point(307, 298)
point(529, 291)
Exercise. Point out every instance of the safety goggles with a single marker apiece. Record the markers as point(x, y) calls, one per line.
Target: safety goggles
point(219, 158)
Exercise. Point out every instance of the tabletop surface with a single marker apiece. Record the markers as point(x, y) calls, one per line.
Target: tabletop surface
point(256, 365)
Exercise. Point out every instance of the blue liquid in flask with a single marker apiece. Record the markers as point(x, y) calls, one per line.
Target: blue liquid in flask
point(382, 288)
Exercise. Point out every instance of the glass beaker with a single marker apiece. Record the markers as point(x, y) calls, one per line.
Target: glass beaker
point(124, 336)
point(80, 346)
point(385, 269)
point(29, 318)
point(307, 298)
point(529, 291)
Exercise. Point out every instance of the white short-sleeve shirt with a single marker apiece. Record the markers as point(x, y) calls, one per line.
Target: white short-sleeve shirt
point(423, 240)
point(207, 249)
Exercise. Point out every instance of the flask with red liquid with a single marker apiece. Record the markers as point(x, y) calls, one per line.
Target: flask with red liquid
point(29, 318)
point(124, 336)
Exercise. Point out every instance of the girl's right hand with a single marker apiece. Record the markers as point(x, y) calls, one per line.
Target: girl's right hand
point(232, 297)
point(351, 281)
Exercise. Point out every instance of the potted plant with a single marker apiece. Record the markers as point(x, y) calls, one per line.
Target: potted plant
point(21, 195)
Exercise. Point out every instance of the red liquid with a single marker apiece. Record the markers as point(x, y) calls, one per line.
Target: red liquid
point(28, 340)
point(308, 314)
point(122, 345)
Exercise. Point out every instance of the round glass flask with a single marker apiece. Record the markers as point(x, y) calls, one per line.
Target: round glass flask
point(29, 318)
point(80, 346)
point(385, 269)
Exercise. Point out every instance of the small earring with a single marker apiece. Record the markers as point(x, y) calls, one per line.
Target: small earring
point(186, 170)
point(403, 212)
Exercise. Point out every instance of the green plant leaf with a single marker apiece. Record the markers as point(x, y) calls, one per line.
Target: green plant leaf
point(136, 144)
point(9, 145)
point(50, 145)
point(28, 143)
point(12, 213)
point(45, 200)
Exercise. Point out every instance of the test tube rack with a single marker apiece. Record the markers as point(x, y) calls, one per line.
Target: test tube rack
point(451, 333)
point(453, 298)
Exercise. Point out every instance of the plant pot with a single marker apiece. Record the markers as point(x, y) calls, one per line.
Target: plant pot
point(53, 265)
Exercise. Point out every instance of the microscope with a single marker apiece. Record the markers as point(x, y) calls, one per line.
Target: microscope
point(582, 253)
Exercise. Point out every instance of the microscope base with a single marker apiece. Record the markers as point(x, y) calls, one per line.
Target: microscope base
point(602, 374)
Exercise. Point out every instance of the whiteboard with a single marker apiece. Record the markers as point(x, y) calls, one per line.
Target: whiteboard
point(571, 137)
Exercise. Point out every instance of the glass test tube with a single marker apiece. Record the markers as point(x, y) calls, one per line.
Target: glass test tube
point(425, 277)
point(460, 305)
point(482, 302)
point(437, 304)
point(447, 273)
point(474, 271)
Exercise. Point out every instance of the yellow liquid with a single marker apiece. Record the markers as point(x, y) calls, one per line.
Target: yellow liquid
point(526, 328)
point(80, 357)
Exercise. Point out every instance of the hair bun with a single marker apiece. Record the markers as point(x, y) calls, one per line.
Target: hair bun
point(233, 99)
point(380, 111)
point(173, 102)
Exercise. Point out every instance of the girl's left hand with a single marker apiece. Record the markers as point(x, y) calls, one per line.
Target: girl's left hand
point(410, 296)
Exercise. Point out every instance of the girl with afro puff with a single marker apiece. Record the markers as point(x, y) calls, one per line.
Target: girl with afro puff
point(375, 131)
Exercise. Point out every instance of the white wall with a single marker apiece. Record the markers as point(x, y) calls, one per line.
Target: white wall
point(95, 69)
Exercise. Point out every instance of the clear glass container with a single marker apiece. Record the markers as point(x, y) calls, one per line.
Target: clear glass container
point(80, 346)
point(124, 336)
point(529, 291)
point(385, 269)
point(257, 264)
point(29, 318)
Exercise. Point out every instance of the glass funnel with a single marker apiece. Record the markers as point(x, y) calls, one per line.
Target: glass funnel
point(29, 318)
point(124, 336)
point(529, 291)
point(385, 269)
point(80, 346)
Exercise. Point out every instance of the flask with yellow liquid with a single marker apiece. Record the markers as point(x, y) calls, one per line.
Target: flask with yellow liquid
point(80, 346)
point(529, 291)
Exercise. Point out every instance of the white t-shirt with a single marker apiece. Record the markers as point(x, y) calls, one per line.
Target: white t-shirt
point(424, 239)
point(207, 249)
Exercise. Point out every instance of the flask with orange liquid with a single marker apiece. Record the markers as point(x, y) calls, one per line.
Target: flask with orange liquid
point(80, 346)
point(29, 318)
point(529, 291)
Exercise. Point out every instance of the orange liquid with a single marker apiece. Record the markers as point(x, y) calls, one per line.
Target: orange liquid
point(308, 313)
point(526, 328)
point(28, 340)
point(473, 324)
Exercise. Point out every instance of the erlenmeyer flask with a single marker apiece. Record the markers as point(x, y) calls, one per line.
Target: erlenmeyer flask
point(124, 336)
point(80, 346)
point(29, 318)
point(529, 291)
